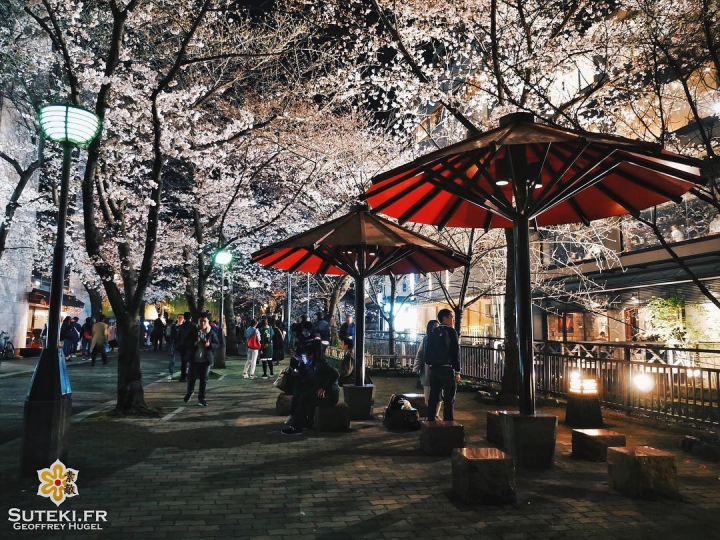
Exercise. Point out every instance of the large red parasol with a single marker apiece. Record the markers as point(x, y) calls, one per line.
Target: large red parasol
point(359, 244)
point(524, 173)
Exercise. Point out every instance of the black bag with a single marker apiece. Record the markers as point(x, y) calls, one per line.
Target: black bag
point(437, 347)
point(400, 415)
point(283, 383)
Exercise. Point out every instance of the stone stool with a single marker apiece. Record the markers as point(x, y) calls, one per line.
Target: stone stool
point(438, 438)
point(642, 472)
point(483, 475)
point(282, 405)
point(592, 444)
point(335, 418)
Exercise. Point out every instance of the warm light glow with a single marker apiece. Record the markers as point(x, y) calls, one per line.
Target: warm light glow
point(696, 373)
point(586, 387)
point(69, 124)
point(502, 183)
point(643, 382)
point(223, 257)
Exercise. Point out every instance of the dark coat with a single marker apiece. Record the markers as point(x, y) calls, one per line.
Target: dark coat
point(202, 353)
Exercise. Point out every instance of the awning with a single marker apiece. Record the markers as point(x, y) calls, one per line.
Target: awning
point(42, 298)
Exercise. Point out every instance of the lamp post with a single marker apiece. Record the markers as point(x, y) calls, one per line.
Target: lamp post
point(48, 405)
point(222, 258)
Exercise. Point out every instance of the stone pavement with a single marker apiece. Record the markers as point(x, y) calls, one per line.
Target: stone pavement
point(226, 471)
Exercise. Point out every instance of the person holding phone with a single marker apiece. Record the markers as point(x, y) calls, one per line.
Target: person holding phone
point(316, 385)
point(206, 341)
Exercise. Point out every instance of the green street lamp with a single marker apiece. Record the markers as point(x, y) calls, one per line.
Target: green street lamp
point(48, 406)
point(222, 258)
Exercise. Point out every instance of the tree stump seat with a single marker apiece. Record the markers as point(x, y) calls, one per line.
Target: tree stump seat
point(642, 472)
point(483, 475)
point(593, 444)
point(439, 438)
point(335, 418)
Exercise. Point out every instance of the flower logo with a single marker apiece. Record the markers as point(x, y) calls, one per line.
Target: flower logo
point(57, 482)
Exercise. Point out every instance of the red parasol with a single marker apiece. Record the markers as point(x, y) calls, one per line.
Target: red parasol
point(522, 173)
point(359, 244)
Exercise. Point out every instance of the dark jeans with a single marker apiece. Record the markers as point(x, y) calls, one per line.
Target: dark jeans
point(442, 378)
point(93, 354)
point(185, 357)
point(157, 343)
point(198, 370)
point(304, 403)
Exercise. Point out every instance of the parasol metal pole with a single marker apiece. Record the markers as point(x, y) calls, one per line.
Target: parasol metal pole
point(359, 331)
point(289, 311)
point(523, 314)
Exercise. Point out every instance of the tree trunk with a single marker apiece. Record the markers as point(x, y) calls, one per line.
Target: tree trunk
point(339, 289)
point(510, 387)
point(229, 316)
point(95, 301)
point(130, 394)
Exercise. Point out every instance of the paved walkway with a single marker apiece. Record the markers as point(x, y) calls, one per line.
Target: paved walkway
point(226, 472)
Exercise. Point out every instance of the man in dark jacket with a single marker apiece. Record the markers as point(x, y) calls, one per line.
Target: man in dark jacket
point(444, 373)
point(347, 329)
point(205, 342)
point(316, 385)
point(185, 344)
point(174, 344)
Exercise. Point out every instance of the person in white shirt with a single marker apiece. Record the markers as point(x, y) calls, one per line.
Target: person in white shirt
point(676, 235)
point(715, 225)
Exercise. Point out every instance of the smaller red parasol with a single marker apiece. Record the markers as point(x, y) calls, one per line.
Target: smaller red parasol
point(359, 244)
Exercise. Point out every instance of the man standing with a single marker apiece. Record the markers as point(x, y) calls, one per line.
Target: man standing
point(442, 355)
point(174, 344)
point(77, 334)
point(322, 327)
point(205, 342)
point(347, 329)
point(185, 344)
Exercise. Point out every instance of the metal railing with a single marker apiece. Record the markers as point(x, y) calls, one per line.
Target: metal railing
point(642, 378)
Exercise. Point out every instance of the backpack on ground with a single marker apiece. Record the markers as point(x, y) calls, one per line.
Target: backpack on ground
point(400, 414)
point(437, 347)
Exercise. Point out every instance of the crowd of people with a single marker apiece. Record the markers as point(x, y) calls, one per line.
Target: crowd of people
point(86, 340)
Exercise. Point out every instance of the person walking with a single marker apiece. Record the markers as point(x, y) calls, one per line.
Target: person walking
point(205, 343)
point(67, 331)
point(158, 331)
point(185, 344)
point(266, 352)
point(442, 354)
point(278, 343)
point(174, 344)
point(87, 331)
point(252, 352)
point(422, 368)
point(99, 340)
point(76, 335)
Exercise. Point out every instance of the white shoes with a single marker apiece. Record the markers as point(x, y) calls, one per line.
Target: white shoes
point(246, 376)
